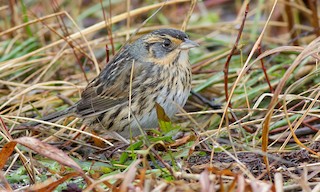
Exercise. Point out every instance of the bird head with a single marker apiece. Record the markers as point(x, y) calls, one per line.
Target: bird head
point(164, 46)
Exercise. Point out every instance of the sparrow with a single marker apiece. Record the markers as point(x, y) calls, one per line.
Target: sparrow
point(153, 69)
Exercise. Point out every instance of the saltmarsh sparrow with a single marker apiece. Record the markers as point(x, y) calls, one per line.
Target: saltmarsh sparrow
point(161, 73)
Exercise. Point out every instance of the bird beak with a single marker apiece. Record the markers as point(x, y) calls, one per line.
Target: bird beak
point(188, 44)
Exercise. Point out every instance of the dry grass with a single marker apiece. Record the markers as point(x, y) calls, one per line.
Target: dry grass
point(265, 136)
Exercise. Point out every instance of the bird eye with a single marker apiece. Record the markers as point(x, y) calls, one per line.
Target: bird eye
point(166, 43)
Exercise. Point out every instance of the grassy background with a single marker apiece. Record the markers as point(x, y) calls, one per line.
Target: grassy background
point(267, 139)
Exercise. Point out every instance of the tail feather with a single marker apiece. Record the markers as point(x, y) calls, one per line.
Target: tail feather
point(50, 118)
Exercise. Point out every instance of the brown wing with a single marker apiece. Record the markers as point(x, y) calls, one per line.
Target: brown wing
point(109, 89)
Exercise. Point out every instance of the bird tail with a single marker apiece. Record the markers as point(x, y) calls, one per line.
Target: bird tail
point(50, 118)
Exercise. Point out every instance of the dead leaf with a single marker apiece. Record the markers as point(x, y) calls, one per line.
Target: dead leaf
point(42, 187)
point(48, 151)
point(5, 153)
point(183, 141)
point(97, 142)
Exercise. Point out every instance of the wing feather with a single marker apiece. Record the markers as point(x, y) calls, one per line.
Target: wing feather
point(108, 90)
